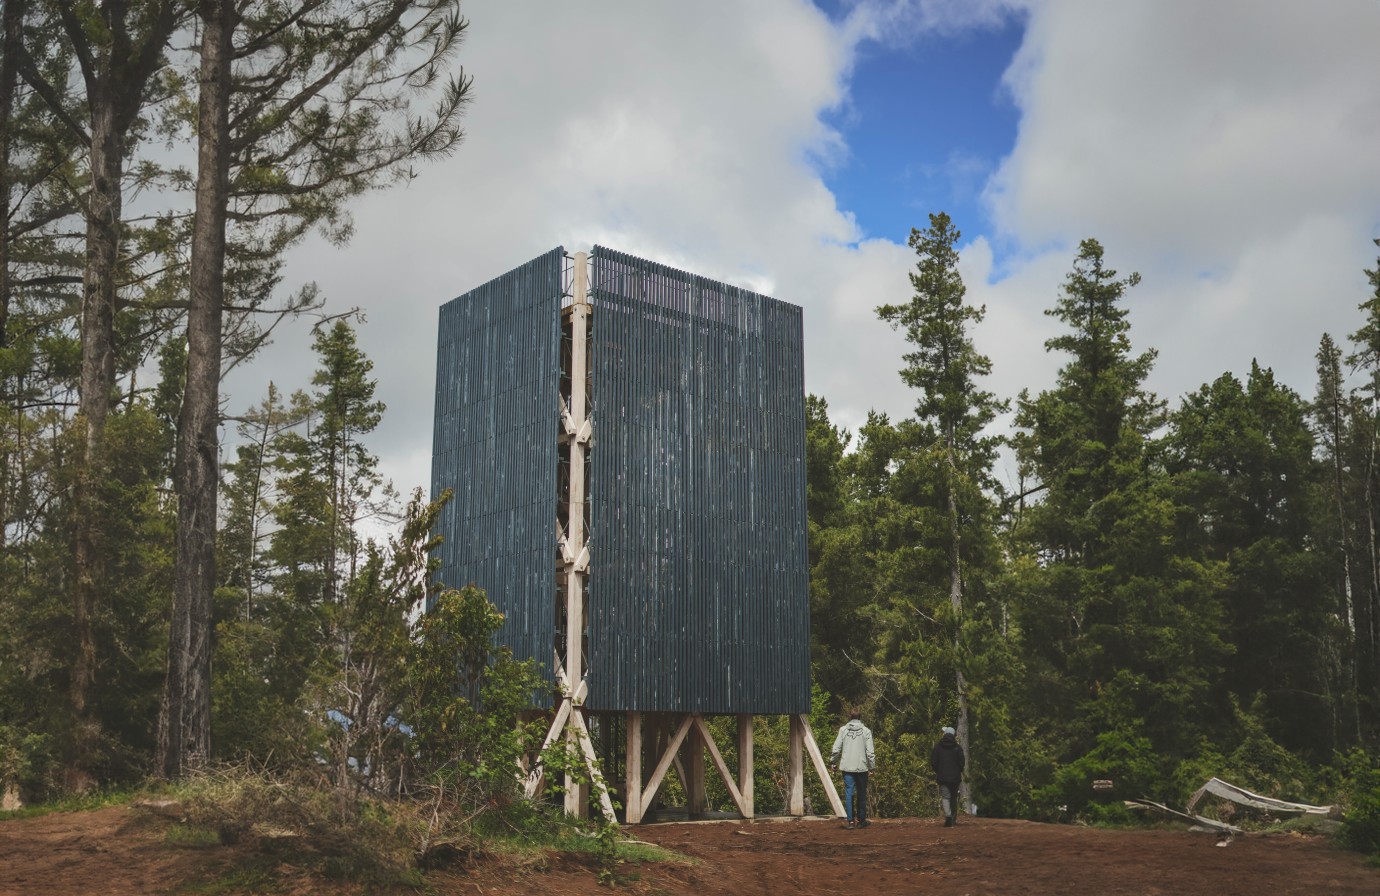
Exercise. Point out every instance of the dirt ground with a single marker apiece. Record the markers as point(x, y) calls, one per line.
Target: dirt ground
point(121, 851)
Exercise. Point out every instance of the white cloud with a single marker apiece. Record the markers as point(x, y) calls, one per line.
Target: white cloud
point(1226, 151)
point(896, 22)
point(1197, 128)
point(687, 133)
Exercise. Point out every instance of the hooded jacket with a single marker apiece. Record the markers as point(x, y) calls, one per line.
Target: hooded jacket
point(947, 760)
point(853, 748)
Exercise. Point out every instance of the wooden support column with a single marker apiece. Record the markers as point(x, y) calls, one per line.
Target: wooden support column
point(696, 798)
point(576, 796)
point(748, 807)
point(632, 792)
point(795, 769)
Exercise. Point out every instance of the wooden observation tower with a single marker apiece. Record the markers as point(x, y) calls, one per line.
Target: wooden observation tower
point(626, 445)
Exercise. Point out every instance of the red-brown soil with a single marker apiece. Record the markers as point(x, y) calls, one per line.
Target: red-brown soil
point(120, 851)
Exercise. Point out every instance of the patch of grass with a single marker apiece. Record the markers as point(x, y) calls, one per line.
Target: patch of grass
point(572, 839)
point(250, 879)
point(76, 803)
point(194, 836)
point(639, 853)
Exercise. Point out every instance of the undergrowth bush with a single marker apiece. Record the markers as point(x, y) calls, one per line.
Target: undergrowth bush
point(1123, 757)
point(1361, 823)
point(309, 823)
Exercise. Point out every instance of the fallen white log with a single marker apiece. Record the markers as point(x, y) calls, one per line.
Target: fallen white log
point(1219, 788)
point(1209, 823)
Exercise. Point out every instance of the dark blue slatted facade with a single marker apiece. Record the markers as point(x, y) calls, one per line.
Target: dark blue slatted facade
point(698, 589)
point(498, 374)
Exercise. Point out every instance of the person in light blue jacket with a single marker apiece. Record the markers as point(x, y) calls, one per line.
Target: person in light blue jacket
point(853, 754)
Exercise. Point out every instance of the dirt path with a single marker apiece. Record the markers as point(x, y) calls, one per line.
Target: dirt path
point(122, 852)
point(990, 856)
point(114, 850)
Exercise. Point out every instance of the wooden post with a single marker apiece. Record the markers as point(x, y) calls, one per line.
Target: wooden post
point(696, 798)
point(632, 792)
point(795, 769)
point(745, 765)
point(576, 796)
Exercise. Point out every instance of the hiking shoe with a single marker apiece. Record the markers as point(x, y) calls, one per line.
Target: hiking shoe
point(847, 826)
point(864, 823)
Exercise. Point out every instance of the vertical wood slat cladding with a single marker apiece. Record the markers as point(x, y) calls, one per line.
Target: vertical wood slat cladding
point(495, 444)
point(698, 590)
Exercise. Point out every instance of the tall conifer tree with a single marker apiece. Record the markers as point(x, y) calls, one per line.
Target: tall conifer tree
point(955, 411)
point(1121, 634)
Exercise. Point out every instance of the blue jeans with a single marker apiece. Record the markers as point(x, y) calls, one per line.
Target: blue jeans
point(855, 781)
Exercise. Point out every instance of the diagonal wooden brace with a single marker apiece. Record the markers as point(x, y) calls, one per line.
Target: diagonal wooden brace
point(729, 781)
point(820, 767)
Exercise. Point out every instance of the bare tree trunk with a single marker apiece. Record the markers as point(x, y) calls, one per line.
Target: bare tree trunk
point(104, 204)
point(116, 65)
point(956, 604)
point(13, 15)
point(1372, 628)
point(1334, 431)
point(184, 729)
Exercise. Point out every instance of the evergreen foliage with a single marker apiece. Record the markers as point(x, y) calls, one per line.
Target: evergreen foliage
point(1171, 593)
point(1150, 607)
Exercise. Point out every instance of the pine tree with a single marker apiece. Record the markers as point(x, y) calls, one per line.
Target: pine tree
point(1366, 359)
point(322, 98)
point(1244, 472)
point(327, 479)
point(118, 49)
point(945, 368)
point(1120, 632)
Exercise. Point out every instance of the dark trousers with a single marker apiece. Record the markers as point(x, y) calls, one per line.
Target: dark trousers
point(948, 798)
point(855, 782)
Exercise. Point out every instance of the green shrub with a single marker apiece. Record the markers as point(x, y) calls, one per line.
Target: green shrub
point(1122, 757)
point(307, 823)
point(25, 760)
point(1361, 824)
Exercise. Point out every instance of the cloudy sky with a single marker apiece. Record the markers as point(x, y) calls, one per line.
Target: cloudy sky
point(1227, 150)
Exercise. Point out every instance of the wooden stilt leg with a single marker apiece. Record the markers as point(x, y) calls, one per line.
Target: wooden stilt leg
point(696, 798)
point(572, 787)
point(796, 769)
point(632, 791)
point(748, 807)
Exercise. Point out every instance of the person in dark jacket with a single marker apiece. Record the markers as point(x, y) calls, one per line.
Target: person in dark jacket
point(947, 760)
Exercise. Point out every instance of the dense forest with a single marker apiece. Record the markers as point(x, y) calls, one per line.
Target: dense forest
point(1171, 593)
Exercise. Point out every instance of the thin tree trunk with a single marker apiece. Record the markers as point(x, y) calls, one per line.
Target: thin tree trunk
point(1334, 409)
point(1372, 628)
point(13, 14)
point(184, 731)
point(251, 560)
point(956, 604)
